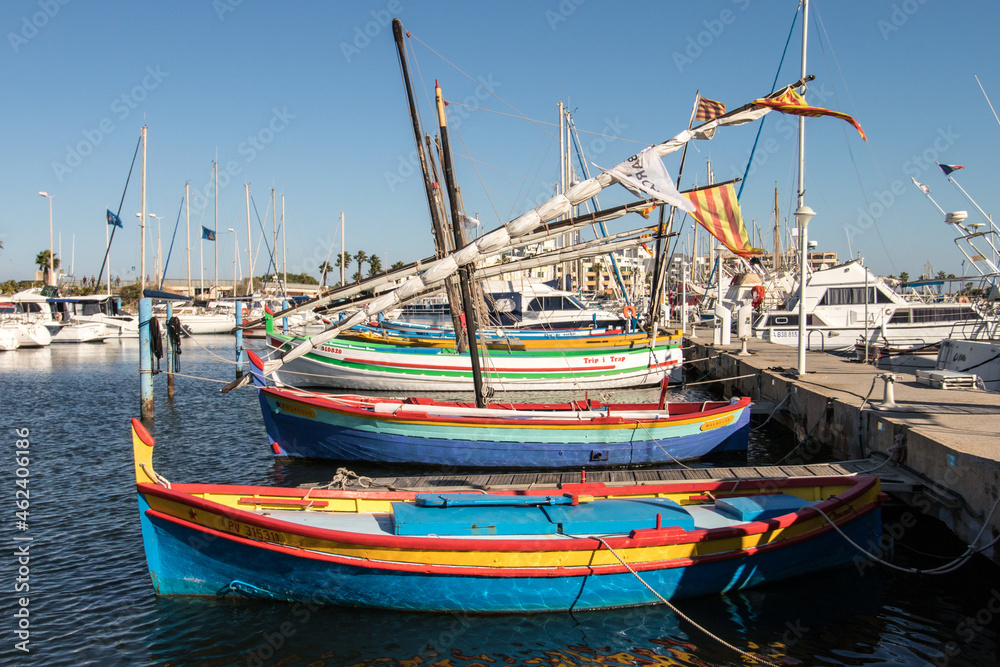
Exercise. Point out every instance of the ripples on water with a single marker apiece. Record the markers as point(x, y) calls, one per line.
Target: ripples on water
point(91, 601)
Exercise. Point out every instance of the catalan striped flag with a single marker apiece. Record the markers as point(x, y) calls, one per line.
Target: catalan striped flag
point(791, 102)
point(717, 210)
point(709, 109)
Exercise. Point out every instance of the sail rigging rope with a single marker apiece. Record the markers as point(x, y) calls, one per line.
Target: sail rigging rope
point(850, 152)
point(760, 128)
point(747, 654)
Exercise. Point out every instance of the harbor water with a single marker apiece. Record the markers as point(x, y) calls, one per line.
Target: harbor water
point(74, 558)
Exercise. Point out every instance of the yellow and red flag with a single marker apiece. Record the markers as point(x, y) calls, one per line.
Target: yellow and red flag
point(791, 102)
point(709, 109)
point(717, 209)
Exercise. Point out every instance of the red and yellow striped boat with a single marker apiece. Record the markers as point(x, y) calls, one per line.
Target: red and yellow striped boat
point(578, 546)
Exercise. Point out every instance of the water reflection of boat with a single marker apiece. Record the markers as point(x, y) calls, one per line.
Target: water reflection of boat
point(504, 551)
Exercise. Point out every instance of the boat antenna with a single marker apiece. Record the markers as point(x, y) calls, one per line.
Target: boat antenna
point(987, 98)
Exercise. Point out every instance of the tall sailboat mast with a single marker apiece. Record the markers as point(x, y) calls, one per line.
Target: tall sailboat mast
point(431, 189)
point(246, 188)
point(284, 262)
point(187, 216)
point(215, 189)
point(142, 217)
point(465, 271)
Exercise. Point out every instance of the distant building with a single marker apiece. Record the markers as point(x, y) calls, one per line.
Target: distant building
point(822, 260)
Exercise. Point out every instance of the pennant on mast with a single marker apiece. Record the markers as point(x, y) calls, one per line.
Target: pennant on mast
point(718, 210)
point(709, 109)
point(791, 102)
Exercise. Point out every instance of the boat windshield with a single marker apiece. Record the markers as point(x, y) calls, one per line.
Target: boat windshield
point(848, 296)
point(550, 303)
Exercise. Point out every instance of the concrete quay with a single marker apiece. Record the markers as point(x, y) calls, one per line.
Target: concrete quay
point(950, 438)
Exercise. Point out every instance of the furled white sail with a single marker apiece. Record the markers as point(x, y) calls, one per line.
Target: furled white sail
point(500, 238)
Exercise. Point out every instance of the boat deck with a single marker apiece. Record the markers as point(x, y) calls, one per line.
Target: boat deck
point(894, 477)
point(705, 517)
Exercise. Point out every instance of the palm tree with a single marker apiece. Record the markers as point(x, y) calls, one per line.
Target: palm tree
point(42, 260)
point(360, 257)
point(396, 265)
point(374, 265)
point(324, 269)
point(343, 261)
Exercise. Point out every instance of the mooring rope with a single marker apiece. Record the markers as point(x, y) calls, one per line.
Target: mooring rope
point(947, 568)
point(639, 423)
point(755, 658)
point(773, 412)
point(735, 377)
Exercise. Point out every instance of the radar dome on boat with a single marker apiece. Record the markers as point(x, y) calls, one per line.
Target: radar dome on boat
point(956, 217)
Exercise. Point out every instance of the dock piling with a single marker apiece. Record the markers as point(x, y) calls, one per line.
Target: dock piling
point(239, 339)
point(145, 360)
point(171, 354)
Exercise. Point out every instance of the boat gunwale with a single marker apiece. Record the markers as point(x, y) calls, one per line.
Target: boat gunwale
point(413, 412)
point(183, 494)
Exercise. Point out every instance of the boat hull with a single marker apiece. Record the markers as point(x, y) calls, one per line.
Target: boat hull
point(29, 334)
point(185, 559)
point(346, 365)
point(328, 428)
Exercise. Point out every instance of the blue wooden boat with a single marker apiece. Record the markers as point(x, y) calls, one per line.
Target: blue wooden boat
point(575, 547)
point(427, 432)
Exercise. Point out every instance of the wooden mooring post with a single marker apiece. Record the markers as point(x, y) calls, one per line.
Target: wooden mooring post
point(145, 360)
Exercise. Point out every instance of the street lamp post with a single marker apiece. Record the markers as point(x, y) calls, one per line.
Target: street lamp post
point(52, 263)
point(802, 216)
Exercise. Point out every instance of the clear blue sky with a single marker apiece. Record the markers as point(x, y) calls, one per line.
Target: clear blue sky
point(306, 98)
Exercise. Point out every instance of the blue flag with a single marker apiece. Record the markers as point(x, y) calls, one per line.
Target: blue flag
point(114, 220)
point(948, 168)
point(207, 234)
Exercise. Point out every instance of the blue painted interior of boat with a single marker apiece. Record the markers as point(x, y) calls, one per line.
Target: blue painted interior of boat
point(759, 508)
point(595, 517)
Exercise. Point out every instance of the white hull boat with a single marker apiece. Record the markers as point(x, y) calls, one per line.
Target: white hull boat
point(8, 341)
point(79, 332)
point(848, 303)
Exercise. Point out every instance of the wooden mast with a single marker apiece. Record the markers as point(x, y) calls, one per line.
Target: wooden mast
point(432, 189)
point(464, 271)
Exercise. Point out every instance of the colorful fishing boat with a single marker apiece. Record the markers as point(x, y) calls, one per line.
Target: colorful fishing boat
point(345, 364)
point(576, 547)
point(427, 432)
point(502, 339)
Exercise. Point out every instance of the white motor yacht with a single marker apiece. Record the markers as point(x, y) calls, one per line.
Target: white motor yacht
point(848, 303)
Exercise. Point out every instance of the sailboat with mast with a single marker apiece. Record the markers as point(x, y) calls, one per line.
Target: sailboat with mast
point(308, 424)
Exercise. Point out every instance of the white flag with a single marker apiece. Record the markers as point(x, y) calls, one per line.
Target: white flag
point(924, 188)
point(645, 174)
